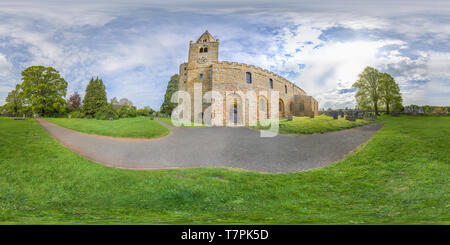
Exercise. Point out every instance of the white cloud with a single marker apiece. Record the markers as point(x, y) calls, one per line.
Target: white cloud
point(5, 67)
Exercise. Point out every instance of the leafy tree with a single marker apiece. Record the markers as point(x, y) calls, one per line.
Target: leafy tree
point(43, 90)
point(368, 86)
point(74, 102)
point(389, 92)
point(146, 111)
point(127, 111)
point(172, 87)
point(14, 101)
point(95, 98)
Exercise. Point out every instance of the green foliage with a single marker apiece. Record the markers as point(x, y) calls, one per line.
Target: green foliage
point(135, 127)
point(76, 114)
point(167, 106)
point(43, 90)
point(377, 89)
point(106, 112)
point(14, 101)
point(318, 124)
point(368, 93)
point(95, 98)
point(147, 111)
point(127, 111)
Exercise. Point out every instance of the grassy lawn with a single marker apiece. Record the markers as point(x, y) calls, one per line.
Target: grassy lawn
point(319, 124)
point(168, 120)
point(400, 176)
point(137, 127)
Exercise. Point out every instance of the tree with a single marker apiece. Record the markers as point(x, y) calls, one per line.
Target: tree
point(172, 87)
point(125, 102)
point(43, 89)
point(389, 92)
point(368, 86)
point(74, 102)
point(14, 101)
point(95, 97)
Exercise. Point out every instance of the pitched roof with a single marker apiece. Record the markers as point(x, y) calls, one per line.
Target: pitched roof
point(206, 36)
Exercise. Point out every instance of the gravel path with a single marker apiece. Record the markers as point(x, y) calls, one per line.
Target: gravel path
point(215, 146)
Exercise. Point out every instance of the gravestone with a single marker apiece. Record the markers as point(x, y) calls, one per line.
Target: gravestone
point(290, 117)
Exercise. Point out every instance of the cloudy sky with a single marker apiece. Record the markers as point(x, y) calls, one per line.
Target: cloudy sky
point(135, 46)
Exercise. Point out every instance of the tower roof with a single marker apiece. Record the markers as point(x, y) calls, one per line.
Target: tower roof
point(206, 36)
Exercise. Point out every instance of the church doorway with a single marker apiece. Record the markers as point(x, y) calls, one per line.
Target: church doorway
point(235, 112)
point(281, 107)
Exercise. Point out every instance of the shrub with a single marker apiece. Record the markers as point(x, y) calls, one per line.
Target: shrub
point(106, 112)
point(127, 111)
point(147, 111)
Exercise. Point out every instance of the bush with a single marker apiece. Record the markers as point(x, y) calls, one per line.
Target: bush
point(106, 112)
point(147, 111)
point(77, 114)
point(128, 111)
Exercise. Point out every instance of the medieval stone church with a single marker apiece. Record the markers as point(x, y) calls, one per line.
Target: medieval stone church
point(204, 67)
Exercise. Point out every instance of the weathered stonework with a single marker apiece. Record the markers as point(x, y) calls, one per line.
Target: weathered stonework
point(204, 67)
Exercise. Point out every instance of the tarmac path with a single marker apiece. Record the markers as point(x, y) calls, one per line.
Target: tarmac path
point(239, 147)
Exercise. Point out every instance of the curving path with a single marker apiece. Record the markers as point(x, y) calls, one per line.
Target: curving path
point(215, 146)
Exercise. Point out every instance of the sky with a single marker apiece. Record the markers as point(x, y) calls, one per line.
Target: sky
point(135, 46)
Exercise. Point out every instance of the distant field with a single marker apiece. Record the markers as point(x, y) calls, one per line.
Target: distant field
point(319, 124)
point(399, 177)
point(137, 127)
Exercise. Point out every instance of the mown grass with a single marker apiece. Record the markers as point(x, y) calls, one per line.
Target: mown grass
point(168, 120)
point(137, 127)
point(319, 124)
point(399, 177)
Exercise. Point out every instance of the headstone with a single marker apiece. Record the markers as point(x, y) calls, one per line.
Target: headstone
point(110, 118)
point(335, 115)
point(290, 117)
point(70, 116)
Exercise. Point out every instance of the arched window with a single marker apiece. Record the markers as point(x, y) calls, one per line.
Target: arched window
point(201, 50)
point(271, 82)
point(201, 76)
point(261, 104)
point(248, 76)
point(285, 89)
point(205, 50)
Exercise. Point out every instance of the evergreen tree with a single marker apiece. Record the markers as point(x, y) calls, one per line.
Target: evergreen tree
point(172, 87)
point(95, 97)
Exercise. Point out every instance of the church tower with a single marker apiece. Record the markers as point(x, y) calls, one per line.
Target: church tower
point(205, 51)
